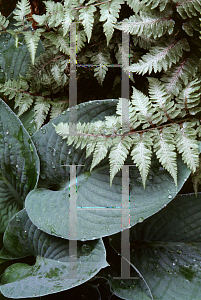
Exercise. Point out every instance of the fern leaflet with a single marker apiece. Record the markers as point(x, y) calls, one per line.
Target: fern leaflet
point(147, 24)
point(3, 22)
point(23, 9)
point(118, 154)
point(161, 57)
point(110, 12)
point(189, 98)
point(32, 39)
point(41, 110)
point(180, 74)
point(164, 146)
point(188, 9)
point(141, 153)
point(87, 18)
point(102, 59)
point(162, 101)
point(187, 144)
point(155, 3)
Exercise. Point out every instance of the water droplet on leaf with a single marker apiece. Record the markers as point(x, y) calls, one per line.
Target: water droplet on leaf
point(140, 220)
point(86, 249)
point(54, 152)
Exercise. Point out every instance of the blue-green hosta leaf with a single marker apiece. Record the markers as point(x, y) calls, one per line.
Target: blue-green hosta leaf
point(98, 204)
point(166, 250)
point(14, 61)
point(19, 164)
point(51, 273)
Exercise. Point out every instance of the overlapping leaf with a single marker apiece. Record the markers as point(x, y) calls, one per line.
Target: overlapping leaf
point(166, 251)
point(98, 203)
point(19, 164)
point(52, 271)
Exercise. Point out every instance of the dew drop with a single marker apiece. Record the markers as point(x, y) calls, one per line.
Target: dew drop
point(68, 109)
point(54, 152)
point(63, 112)
point(7, 132)
point(31, 147)
point(86, 249)
point(76, 106)
point(9, 145)
point(83, 104)
point(169, 196)
point(53, 166)
point(140, 220)
point(43, 131)
point(17, 166)
point(69, 151)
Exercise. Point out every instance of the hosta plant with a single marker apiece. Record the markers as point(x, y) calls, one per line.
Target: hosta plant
point(165, 257)
point(161, 145)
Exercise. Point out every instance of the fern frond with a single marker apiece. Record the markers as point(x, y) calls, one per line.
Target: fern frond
point(141, 153)
point(189, 98)
point(3, 22)
point(188, 9)
point(187, 144)
point(32, 39)
point(41, 110)
point(175, 77)
point(161, 57)
point(135, 5)
point(101, 59)
point(61, 42)
point(43, 72)
point(164, 147)
point(87, 18)
point(23, 9)
point(162, 100)
point(155, 3)
point(110, 12)
point(118, 154)
point(149, 24)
